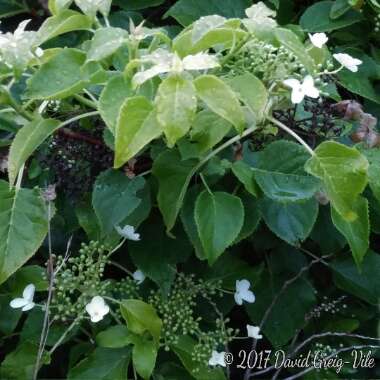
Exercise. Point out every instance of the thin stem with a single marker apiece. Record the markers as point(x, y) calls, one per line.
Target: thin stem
point(45, 327)
point(18, 108)
point(85, 101)
point(64, 335)
point(78, 117)
point(205, 183)
point(117, 265)
point(291, 133)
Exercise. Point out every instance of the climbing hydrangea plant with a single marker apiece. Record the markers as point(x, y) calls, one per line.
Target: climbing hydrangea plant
point(170, 179)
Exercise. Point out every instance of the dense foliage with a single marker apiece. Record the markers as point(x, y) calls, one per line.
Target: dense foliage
point(187, 182)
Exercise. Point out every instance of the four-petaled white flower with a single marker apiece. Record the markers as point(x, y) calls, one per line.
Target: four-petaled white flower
point(165, 62)
point(300, 90)
point(253, 332)
point(19, 47)
point(217, 358)
point(318, 39)
point(128, 232)
point(348, 62)
point(243, 293)
point(26, 302)
point(97, 309)
point(139, 277)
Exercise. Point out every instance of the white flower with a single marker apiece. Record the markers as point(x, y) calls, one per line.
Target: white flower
point(97, 309)
point(253, 332)
point(16, 49)
point(128, 232)
point(348, 62)
point(139, 277)
point(217, 358)
point(300, 90)
point(26, 302)
point(243, 293)
point(318, 39)
point(166, 62)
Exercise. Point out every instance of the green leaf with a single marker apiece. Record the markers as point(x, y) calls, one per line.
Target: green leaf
point(64, 22)
point(219, 97)
point(292, 43)
point(325, 234)
point(144, 356)
point(157, 255)
point(111, 99)
point(339, 8)
point(114, 337)
point(105, 42)
point(141, 317)
point(361, 82)
point(26, 141)
point(173, 177)
point(284, 187)
point(356, 232)
point(24, 354)
point(282, 177)
point(136, 127)
point(102, 364)
point(252, 92)
point(187, 11)
point(219, 217)
point(252, 216)
point(291, 222)
point(188, 221)
point(343, 171)
point(87, 218)
point(207, 130)
point(373, 157)
point(114, 198)
point(221, 38)
point(317, 18)
point(245, 175)
point(23, 227)
point(184, 349)
point(58, 78)
point(176, 106)
point(364, 284)
point(29, 274)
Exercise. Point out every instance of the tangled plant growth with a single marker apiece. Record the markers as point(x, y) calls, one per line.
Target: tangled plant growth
point(173, 199)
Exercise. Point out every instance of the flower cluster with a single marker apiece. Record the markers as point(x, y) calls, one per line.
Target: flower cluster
point(78, 280)
point(264, 60)
point(306, 87)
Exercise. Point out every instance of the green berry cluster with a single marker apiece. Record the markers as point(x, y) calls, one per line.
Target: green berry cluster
point(266, 61)
point(78, 279)
point(212, 340)
point(178, 313)
point(125, 289)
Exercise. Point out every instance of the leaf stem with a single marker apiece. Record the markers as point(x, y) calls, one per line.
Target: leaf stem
point(205, 183)
point(291, 133)
point(85, 101)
